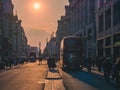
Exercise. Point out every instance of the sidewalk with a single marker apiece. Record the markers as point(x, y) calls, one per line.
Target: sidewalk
point(54, 81)
point(12, 67)
point(94, 70)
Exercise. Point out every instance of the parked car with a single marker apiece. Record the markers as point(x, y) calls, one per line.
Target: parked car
point(2, 65)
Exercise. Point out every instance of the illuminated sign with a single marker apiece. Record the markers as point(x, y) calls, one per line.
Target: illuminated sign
point(117, 43)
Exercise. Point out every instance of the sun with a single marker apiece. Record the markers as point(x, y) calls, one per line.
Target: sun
point(36, 5)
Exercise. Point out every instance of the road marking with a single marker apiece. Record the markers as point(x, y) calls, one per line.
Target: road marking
point(43, 81)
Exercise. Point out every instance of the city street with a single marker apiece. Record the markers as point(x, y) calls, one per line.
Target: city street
point(59, 44)
point(32, 76)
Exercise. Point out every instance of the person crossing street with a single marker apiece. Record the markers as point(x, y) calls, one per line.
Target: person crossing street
point(40, 60)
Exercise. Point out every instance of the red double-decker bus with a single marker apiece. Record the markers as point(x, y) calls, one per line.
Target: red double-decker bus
point(71, 52)
point(32, 56)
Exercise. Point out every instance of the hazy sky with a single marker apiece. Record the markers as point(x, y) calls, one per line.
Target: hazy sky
point(39, 24)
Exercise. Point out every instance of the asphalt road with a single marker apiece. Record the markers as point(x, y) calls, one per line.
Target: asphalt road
point(30, 76)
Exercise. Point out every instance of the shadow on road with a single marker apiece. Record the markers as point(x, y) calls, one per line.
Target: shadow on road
point(93, 79)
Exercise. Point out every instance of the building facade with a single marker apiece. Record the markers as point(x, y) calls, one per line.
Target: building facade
point(108, 28)
point(79, 20)
point(1, 22)
point(83, 24)
point(13, 41)
point(7, 29)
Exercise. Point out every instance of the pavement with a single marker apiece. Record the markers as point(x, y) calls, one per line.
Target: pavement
point(54, 77)
point(54, 81)
point(12, 67)
point(95, 70)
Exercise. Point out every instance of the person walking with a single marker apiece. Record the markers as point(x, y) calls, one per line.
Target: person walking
point(53, 63)
point(117, 71)
point(49, 62)
point(107, 67)
point(99, 63)
point(40, 60)
point(89, 64)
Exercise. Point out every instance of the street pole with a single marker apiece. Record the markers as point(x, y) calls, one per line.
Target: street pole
point(39, 49)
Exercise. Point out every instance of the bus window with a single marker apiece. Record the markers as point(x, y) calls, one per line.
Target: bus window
point(71, 52)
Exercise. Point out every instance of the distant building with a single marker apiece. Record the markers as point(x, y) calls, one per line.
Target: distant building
point(51, 48)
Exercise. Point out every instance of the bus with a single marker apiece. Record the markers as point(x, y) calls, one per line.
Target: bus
point(32, 56)
point(71, 53)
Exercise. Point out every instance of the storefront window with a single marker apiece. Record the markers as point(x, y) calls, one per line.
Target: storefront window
point(101, 23)
point(116, 39)
point(108, 19)
point(116, 14)
point(100, 47)
point(108, 41)
point(107, 52)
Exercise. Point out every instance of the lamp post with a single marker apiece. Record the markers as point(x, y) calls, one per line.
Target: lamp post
point(39, 49)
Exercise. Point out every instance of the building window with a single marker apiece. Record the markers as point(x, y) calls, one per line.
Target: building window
point(108, 41)
point(100, 43)
point(116, 52)
point(100, 47)
point(101, 23)
point(107, 52)
point(80, 35)
point(89, 34)
point(92, 11)
point(84, 33)
point(100, 3)
point(100, 52)
point(116, 39)
point(0, 5)
point(116, 14)
point(108, 19)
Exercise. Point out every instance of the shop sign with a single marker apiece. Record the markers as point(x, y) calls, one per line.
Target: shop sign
point(117, 43)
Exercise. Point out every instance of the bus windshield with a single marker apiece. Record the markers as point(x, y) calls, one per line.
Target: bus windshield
point(72, 44)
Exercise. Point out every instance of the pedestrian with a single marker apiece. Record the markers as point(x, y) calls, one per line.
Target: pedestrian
point(99, 64)
point(40, 60)
point(107, 67)
point(53, 63)
point(117, 71)
point(49, 62)
point(89, 64)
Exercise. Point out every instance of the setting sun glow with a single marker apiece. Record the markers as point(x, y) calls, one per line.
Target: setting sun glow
point(36, 5)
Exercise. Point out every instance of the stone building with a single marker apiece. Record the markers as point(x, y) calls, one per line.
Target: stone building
point(13, 41)
point(79, 20)
point(108, 28)
point(1, 22)
point(6, 41)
